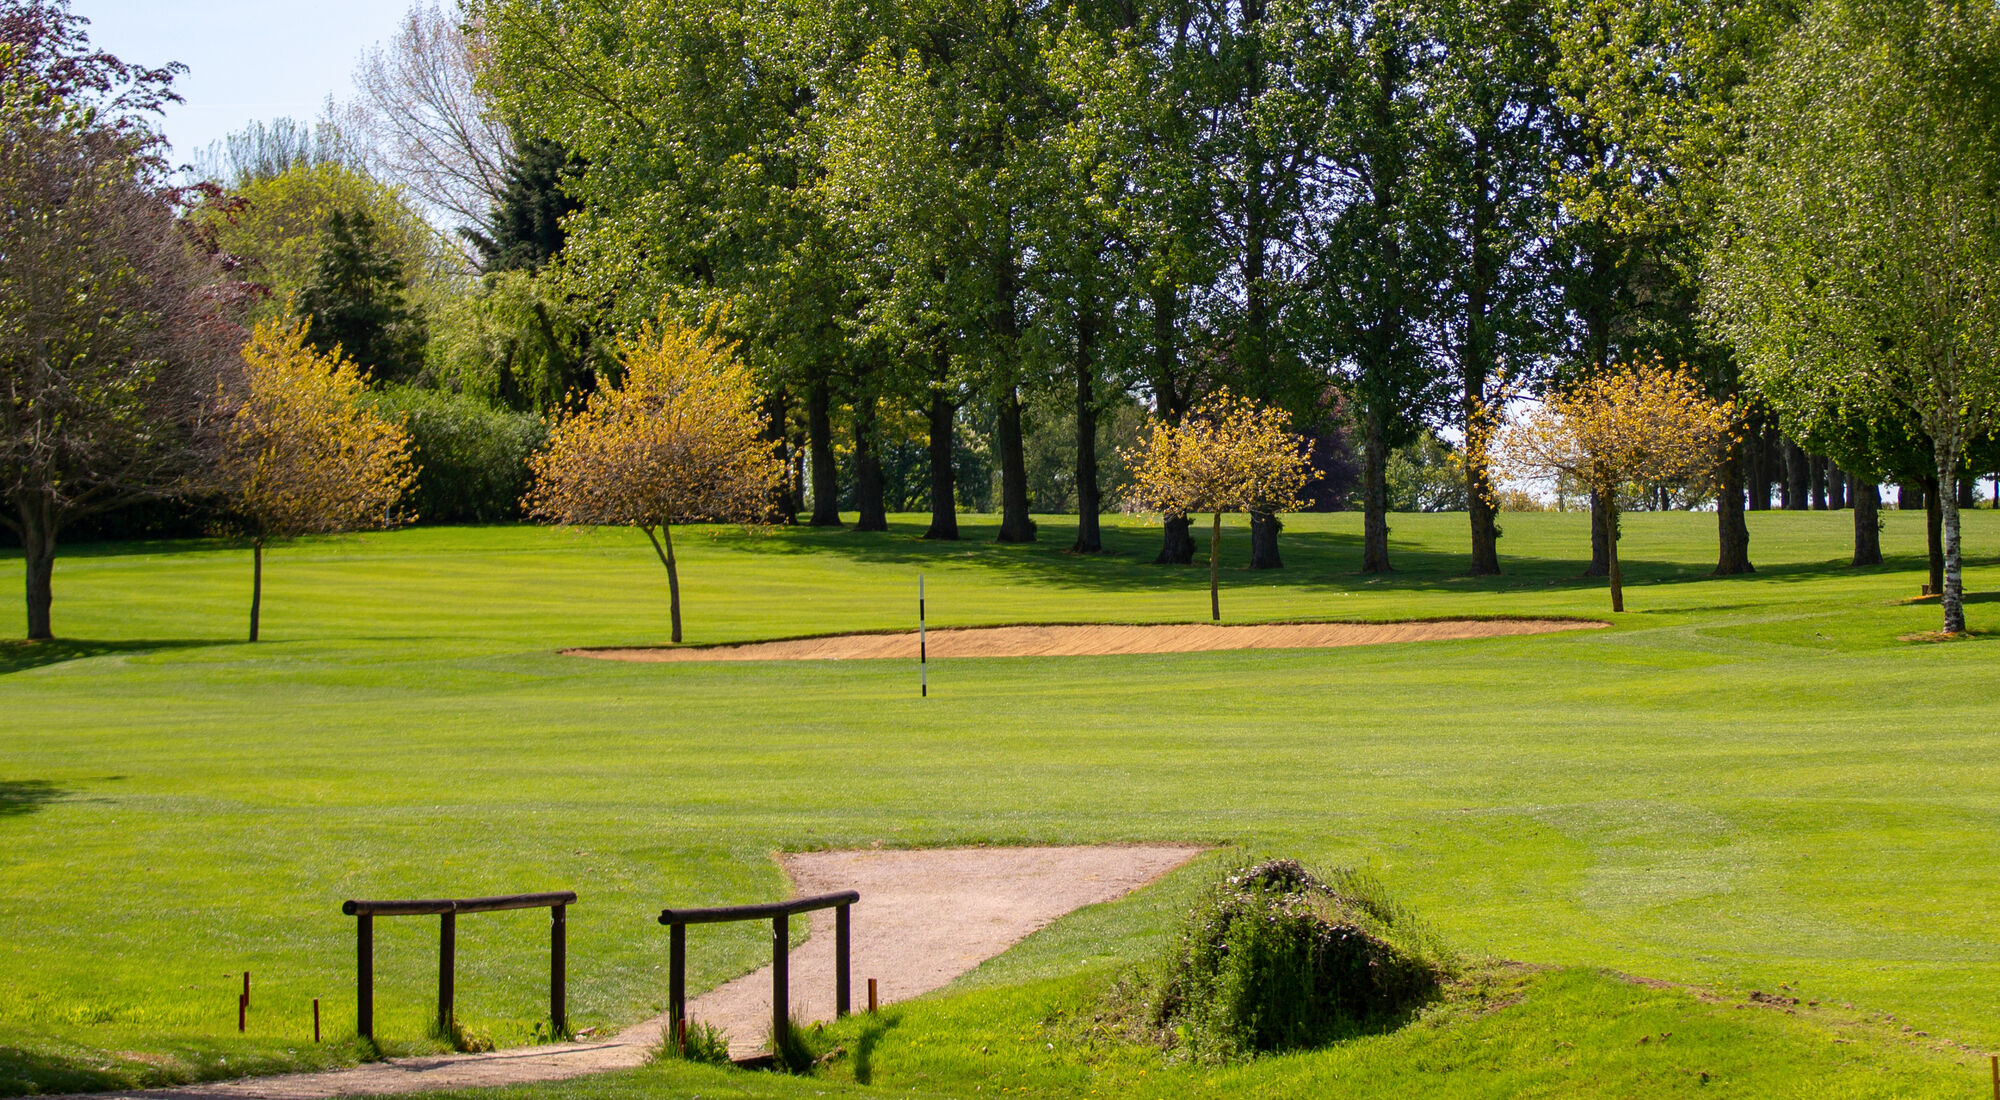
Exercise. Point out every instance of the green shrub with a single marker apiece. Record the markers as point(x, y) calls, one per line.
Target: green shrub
point(705, 1043)
point(472, 458)
point(1276, 958)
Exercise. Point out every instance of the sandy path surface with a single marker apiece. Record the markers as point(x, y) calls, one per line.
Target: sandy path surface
point(924, 918)
point(1095, 640)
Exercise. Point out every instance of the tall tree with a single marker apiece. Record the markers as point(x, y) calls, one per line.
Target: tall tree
point(428, 125)
point(1490, 126)
point(1863, 245)
point(115, 343)
point(355, 301)
point(525, 225)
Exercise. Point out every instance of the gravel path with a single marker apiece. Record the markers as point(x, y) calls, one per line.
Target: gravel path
point(925, 917)
point(1093, 641)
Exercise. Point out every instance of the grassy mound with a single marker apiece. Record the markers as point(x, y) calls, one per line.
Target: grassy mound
point(1276, 958)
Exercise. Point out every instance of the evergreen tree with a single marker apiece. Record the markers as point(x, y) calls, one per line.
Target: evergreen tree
point(355, 301)
point(527, 221)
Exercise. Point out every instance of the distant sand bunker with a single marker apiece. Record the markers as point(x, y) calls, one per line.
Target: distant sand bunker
point(1095, 641)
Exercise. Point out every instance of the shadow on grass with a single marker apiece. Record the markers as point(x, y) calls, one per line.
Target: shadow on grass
point(864, 1045)
point(30, 1073)
point(25, 796)
point(22, 656)
point(1320, 560)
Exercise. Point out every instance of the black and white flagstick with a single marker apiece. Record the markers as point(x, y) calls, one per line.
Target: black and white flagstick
point(923, 645)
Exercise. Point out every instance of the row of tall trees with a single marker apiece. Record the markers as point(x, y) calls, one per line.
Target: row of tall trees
point(1405, 214)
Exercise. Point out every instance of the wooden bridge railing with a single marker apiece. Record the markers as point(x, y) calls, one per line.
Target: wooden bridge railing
point(780, 914)
point(447, 911)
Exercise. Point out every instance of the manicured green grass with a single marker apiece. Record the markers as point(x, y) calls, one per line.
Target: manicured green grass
point(1747, 781)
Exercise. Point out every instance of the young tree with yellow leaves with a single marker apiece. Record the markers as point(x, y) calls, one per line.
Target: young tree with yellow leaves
point(678, 440)
point(1646, 423)
point(301, 453)
point(1229, 454)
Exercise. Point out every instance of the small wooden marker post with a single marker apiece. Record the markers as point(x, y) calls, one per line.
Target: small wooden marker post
point(871, 996)
point(243, 1005)
point(315, 1019)
point(1994, 1060)
point(923, 645)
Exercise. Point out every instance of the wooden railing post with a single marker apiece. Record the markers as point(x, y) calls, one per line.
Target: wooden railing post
point(841, 941)
point(559, 970)
point(677, 990)
point(447, 957)
point(364, 975)
point(781, 975)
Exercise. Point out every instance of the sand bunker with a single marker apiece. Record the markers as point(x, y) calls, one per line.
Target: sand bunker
point(1095, 640)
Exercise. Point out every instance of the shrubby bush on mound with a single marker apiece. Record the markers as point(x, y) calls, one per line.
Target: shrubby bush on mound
point(1276, 958)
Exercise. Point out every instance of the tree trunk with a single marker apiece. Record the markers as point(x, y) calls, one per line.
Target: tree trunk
point(1479, 498)
point(1817, 469)
point(256, 584)
point(1757, 471)
point(1611, 541)
point(1015, 525)
point(1215, 569)
point(1867, 524)
point(780, 508)
point(1733, 533)
point(825, 473)
point(1952, 593)
point(1089, 501)
point(874, 516)
point(1798, 478)
point(1177, 548)
point(944, 480)
point(1934, 532)
point(1374, 496)
point(663, 545)
point(1600, 548)
point(1177, 538)
point(1264, 528)
point(1967, 497)
point(38, 552)
point(1838, 490)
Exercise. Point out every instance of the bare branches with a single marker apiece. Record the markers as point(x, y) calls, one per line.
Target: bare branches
point(430, 127)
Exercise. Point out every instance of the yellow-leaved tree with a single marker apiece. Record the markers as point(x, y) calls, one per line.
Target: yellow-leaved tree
point(1228, 454)
point(678, 440)
point(1625, 424)
point(302, 453)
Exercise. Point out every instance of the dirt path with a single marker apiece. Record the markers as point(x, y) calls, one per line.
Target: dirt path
point(924, 918)
point(1095, 640)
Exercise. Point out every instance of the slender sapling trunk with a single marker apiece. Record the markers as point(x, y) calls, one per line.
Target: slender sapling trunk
point(1215, 569)
point(1610, 513)
point(663, 545)
point(256, 583)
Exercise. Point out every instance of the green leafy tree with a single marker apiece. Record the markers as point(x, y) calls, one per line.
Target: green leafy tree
point(1861, 257)
point(355, 301)
point(528, 220)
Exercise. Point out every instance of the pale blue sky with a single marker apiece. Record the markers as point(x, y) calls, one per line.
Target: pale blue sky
point(246, 59)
